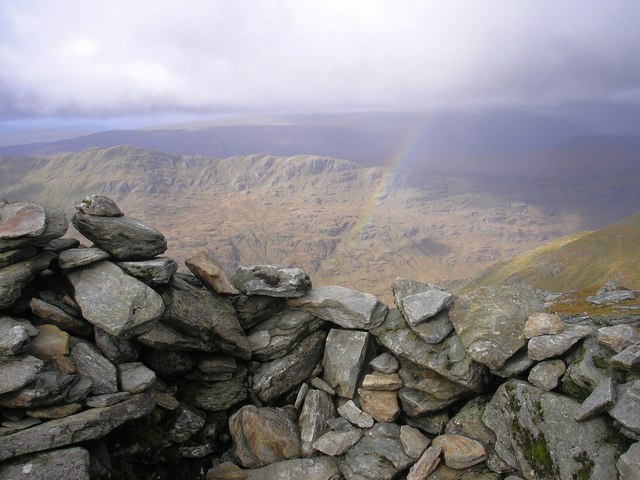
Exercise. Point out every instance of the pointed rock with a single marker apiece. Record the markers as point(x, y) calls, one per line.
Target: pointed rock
point(337, 443)
point(345, 355)
point(600, 399)
point(357, 417)
point(211, 274)
point(157, 271)
point(427, 463)
point(14, 278)
point(79, 257)
point(317, 409)
point(271, 280)
point(91, 364)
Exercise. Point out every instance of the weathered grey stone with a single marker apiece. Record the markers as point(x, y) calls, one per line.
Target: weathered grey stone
point(547, 346)
point(629, 463)
point(107, 399)
point(317, 468)
point(87, 425)
point(459, 451)
point(101, 371)
point(114, 301)
point(124, 238)
point(79, 257)
point(157, 271)
point(206, 315)
point(628, 359)
point(16, 372)
point(216, 363)
point(542, 324)
point(28, 224)
point(185, 424)
point(18, 255)
point(618, 337)
point(317, 409)
point(15, 277)
point(435, 330)
point(135, 377)
point(546, 374)
point(448, 358)
point(262, 436)
point(56, 316)
point(271, 280)
point(278, 335)
point(626, 410)
point(517, 364)
point(431, 423)
point(382, 381)
point(282, 375)
point(357, 417)
point(253, 309)
point(50, 342)
point(385, 363)
point(344, 307)
point(21, 424)
point(163, 337)
point(381, 405)
point(426, 464)
point(600, 399)
point(345, 355)
point(422, 306)
point(55, 411)
point(68, 464)
point(46, 389)
point(537, 434)
point(211, 273)
point(609, 295)
point(58, 245)
point(413, 441)
point(336, 443)
point(322, 385)
point(14, 337)
point(164, 400)
point(99, 206)
point(300, 397)
point(375, 458)
point(477, 472)
point(117, 350)
point(219, 396)
point(490, 320)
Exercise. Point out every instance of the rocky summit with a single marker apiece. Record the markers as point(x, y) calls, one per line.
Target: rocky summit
point(115, 364)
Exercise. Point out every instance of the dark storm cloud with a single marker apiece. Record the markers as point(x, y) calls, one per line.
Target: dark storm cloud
point(116, 57)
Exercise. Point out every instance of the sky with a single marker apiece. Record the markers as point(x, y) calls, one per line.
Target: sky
point(98, 59)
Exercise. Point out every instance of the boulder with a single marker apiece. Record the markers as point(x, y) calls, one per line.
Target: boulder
point(381, 405)
point(384, 363)
point(626, 409)
point(627, 359)
point(271, 280)
point(618, 337)
point(29, 224)
point(548, 346)
point(345, 355)
point(546, 374)
point(99, 206)
point(14, 337)
point(600, 399)
point(419, 301)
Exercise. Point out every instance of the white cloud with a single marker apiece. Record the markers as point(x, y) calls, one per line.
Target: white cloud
point(123, 57)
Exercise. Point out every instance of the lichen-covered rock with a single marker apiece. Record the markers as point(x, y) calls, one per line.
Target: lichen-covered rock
point(548, 346)
point(99, 206)
point(419, 301)
point(626, 410)
point(345, 355)
point(68, 464)
point(546, 374)
point(16, 372)
point(271, 280)
point(542, 324)
point(316, 410)
point(91, 364)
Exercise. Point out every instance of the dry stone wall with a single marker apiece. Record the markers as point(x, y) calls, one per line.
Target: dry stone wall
point(114, 365)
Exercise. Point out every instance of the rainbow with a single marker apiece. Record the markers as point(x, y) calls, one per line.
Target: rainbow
point(384, 185)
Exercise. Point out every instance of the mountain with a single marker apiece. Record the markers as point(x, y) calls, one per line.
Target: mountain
point(342, 222)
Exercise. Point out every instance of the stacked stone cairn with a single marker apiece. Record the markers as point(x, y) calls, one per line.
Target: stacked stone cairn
point(113, 365)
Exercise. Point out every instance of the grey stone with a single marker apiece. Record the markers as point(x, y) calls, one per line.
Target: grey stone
point(609, 296)
point(14, 337)
point(21, 225)
point(353, 414)
point(537, 434)
point(107, 399)
point(15, 277)
point(253, 309)
point(16, 372)
point(626, 410)
point(459, 451)
point(413, 441)
point(86, 425)
point(168, 364)
point(448, 358)
point(68, 464)
point(431, 423)
point(216, 363)
point(21, 424)
point(628, 359)
point(322, 385)
point(219, 396)
point(340, 424)
point(164, 400)
point(336, 443)
point(124, 238)
point(61, 319)
point(114, 301)
point(517, 364)
point(163, 337)
point(275, 378)
point(382, 381)
point(79, 257)
point(420, 306)
point(135, 377)
point(546, 374)
point(185, 424)
point(317, 468)
point(279, 334)
point(375, 458)
point(434, 330)
point(58, 245)
point(157, 271)
point(317, 409)
point(117, 350)
point(542, 324)
point(99, 206)
point(600, 399)
point(476, 472)
point(490, 320)
point(618, 337)
point(211, 273)
point(206, 315)
point(629, 463)
point(49, 343)
point(92, 364)
point(426, 464)
point(55, 411)
point(300, 397)
point(271, 280)
point(345, 355)
point(344, 307)
point(48, 388)
point(262, 436)
point(547, 346)
point(385, 363)
point(18, 255)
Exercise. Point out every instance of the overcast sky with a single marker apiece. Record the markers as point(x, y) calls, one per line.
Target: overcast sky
point(136, 57)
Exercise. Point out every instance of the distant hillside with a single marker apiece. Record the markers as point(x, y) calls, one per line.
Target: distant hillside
point(582, 261)
point(344, 223)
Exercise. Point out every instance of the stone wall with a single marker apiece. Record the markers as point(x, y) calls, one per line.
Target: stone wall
point(114, 365)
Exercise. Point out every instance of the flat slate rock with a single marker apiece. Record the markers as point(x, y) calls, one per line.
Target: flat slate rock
point(87, 425)
point(424, 305)
point(68, 464)
point(211, 273)
point(626, 409)
point(271, 280)
point(15, 277)
point(47, 389)
point(19, 225)
point(16, 372)
point(79, 257)
point(14, 337)
point(317, 468)
point(602, 397)
point(90, 363)
point(459, 451)
point(114, 301)
point(344, 359)
point(385, 363)
point(343, 306)
point(52, 314)
point(124, 238)
point(618, 337)
point(157, 271)
point(135, 377)
point(14, 256)
point(336, 443)
point(316, 411)
point(629, 358)
point(548, 346)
